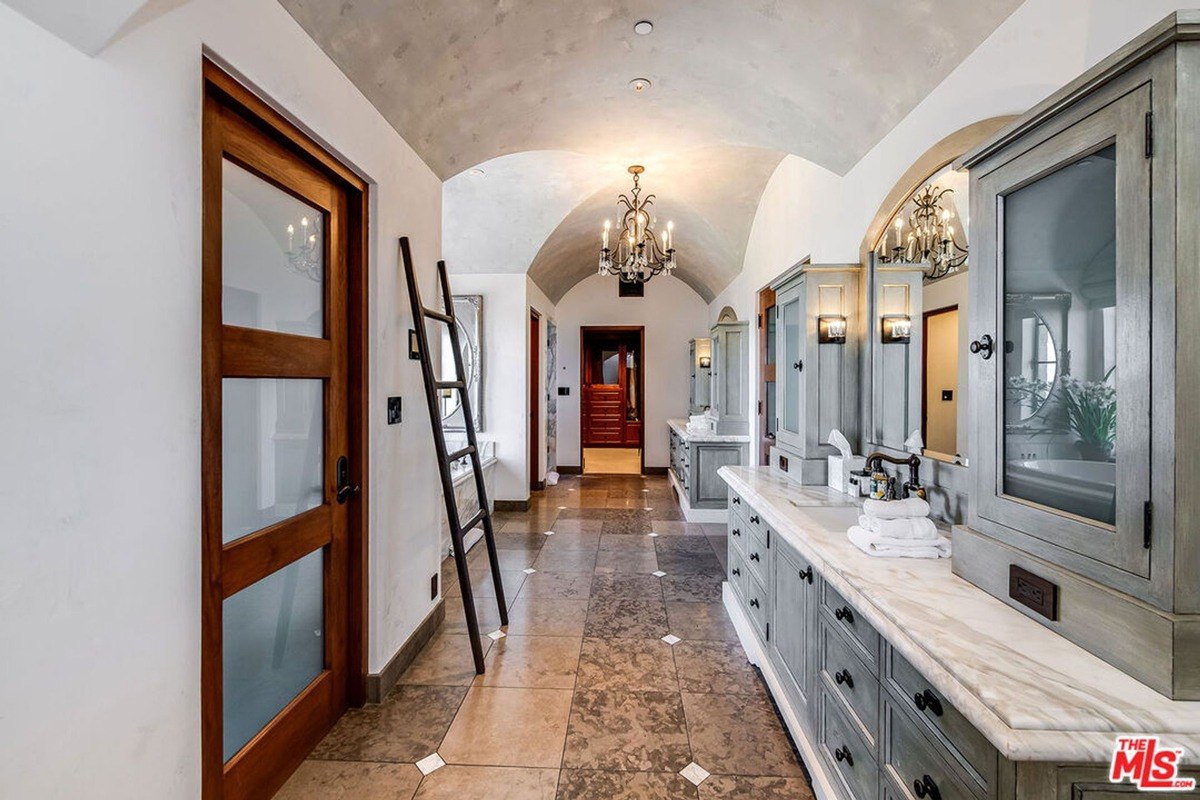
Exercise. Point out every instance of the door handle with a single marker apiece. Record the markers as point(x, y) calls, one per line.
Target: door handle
point(983, 346)
point(344, 489)
point(798, 366)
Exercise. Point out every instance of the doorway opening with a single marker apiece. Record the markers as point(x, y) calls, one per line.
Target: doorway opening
point(535, 402)
point(612, 381)
point(767, 315)
point(939, 398)
point(283, 443)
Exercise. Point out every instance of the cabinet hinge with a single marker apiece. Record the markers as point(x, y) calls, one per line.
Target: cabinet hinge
point(1149, 134)
point(760, 406)
point(760, 321)
point(768, 631)
point(1147, 523)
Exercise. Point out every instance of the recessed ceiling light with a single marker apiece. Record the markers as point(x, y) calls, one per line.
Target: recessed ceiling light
point(640, 84)
point(643, 28)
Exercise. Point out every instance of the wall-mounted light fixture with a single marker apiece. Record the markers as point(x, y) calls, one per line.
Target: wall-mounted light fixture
point(831, 329)
point(705, 362)
point(896, 328)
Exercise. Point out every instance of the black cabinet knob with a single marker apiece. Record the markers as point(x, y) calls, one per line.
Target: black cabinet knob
point(735, 571)
point(737, 532)
point(844, 614)
point(755, 519)
point(843, 677)
point(798, 366)
point(983, 346)
point(754, 557)
point(754, 603)
point(807, 575)
point(843, 754)
point(925, 787)
point(928, 700)
point(737, 501)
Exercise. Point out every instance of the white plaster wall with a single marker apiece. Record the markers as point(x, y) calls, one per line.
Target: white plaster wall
point(538, 301)
point(100, 423)
point(672, 313)
point(1043, 45)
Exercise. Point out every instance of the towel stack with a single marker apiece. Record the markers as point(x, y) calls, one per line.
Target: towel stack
point(898, 529)
point(698, 423)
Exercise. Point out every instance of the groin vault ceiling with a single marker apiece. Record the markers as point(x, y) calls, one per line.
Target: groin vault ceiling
point(536, 94)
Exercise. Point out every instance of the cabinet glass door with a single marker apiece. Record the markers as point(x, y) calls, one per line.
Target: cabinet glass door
point(789, 375)
point(1070, 372)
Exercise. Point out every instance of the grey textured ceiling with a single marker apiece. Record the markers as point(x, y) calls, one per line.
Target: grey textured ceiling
point(469, 81)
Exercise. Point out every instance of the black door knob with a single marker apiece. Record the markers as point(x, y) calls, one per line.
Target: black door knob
point(983, 346)
point(798, 366)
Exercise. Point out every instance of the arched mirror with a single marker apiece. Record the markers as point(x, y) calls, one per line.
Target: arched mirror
point(468, 313)
point(1032, 348)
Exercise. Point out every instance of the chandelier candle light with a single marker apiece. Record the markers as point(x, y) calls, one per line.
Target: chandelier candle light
point(930, 237)
point(638, 255)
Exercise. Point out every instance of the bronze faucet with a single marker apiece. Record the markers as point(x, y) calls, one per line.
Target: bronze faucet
point(913, 484)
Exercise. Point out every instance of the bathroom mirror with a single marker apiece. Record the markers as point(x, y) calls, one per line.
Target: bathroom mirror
point(1033, 349)
point(917, 301)
point(468, 313)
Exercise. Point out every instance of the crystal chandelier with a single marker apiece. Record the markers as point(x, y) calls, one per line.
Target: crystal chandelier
point(930, 238)
point(306, 252)
point(638, 255)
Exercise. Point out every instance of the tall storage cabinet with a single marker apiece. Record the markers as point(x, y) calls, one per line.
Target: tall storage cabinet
point(816, 377)
point(730, 408)
point(700, 382)
point(1085, 232)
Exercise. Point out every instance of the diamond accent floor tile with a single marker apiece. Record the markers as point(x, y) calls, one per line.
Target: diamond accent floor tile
point(671, 639)
point(529, 570)
point(549, 533)
point(652, 533)
point(694, 773)
point(658, 573)
point(496, 636)
point(434, 762)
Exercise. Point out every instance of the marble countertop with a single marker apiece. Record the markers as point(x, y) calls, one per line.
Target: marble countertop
point(1035, 695)
point(680, 427)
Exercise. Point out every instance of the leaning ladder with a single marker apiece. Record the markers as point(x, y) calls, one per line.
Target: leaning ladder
point(432, 387)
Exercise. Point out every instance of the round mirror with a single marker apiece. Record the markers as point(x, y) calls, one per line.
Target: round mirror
point(451, 399)
point(1031, 362)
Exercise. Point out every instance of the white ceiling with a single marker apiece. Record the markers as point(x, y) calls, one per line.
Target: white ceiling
point(737, 84)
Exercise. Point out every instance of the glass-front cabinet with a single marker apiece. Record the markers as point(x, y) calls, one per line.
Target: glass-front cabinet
point(1065, 295)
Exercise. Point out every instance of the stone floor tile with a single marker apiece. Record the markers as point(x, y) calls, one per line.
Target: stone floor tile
point(705, 621)
point(632, 665)
point(445, 660)
point(565, 585)
point(547, 616)
point(408, 725)
point(513, 727)
point(626, 618)
point(347, 780)
point(692, 588)
point(578, 784)
point(733, 787)
point(641, 731)
point(537, 662)
point(719, 667)
point(738, 735)
point(456, 782)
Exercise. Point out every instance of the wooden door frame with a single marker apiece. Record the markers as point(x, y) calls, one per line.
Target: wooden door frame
point(535, 405)
point(925, 371)
point(223, 89)
point(584, 330)
point(766, 373)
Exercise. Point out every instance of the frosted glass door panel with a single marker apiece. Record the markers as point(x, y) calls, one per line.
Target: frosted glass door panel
point(272, 257)
point(789, 321)
point(1060, 339)
point(274, 646)
point(272, 451)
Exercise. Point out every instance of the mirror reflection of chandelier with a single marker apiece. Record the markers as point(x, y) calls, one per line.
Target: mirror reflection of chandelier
point(638, 256)
point(929, 236)
point(306, 252)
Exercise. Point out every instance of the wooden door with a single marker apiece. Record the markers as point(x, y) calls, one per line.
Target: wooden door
point(604, 393)
point(767, 318)
point(279, 483)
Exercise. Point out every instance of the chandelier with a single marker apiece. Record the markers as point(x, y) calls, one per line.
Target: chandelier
point(306, 253)
point(930, 237)
point(638, 256)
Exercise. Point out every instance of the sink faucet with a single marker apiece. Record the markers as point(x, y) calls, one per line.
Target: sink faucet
point(913, 484)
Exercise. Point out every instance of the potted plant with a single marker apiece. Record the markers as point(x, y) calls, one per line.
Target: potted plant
point(1091, 412)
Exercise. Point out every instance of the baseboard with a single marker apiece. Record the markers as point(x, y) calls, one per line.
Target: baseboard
point(569, 469)
point(539, 486)
point(511, 505)
point(654, 470)
point(380, 684)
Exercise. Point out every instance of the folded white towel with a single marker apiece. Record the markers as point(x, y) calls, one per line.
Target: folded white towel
point(915, 528)
point(884, 547)
point(896, 509)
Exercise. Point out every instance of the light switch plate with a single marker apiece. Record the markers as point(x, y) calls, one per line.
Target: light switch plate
point(393, 410)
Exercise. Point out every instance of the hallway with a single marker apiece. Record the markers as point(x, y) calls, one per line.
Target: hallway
point(582, 698)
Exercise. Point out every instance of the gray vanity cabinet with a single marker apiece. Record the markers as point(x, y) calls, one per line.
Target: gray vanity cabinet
point(795, 616)
point(816, 382)
point(730, 408)
point(1083, 378)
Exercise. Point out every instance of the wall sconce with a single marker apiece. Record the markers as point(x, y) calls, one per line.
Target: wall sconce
point(831, 329)
point(896, 328)
point(705, 362)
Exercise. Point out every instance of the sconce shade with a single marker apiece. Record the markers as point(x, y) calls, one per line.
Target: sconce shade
point(895, 328)
point(831, 329)
point(705, 362)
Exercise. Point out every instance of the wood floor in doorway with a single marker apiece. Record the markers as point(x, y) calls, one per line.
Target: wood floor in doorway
point(612, 461)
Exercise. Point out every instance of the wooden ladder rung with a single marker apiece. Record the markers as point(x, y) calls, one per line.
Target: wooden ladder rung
point(450, 384)
point(457, 454)
point(475, 520)
point(438, 315)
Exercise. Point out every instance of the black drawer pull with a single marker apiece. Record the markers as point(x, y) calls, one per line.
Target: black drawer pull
point(737, 531)
point(842, 676)
point(926, 788)
point(755, 519)
point(754, 603)
point(807, 575)
point(736, 571)
point(737, 501)
point(844, 614)
point(754, 557)
point(843, 754)
point(928, 700)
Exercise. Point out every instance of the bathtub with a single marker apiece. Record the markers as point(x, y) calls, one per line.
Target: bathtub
point(464, 489)
point(1087, 488)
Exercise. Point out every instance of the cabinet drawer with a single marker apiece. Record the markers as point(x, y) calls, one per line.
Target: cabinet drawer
point(739, 532)
point(758, 602)
point(737, 570)
point(851, 679)
point(911, 760)
point(737, 503)
point(758, 555)
point(846, 618)
point(845, 751)
point(949, 728)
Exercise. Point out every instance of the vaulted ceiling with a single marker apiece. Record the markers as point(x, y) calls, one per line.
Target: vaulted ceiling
point(536, 94)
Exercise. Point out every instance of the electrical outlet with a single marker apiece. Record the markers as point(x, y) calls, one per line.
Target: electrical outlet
point(414, 344)
point(563, 391)
point(393, 410)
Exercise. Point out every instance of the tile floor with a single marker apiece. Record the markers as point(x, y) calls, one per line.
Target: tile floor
point(582, 698)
